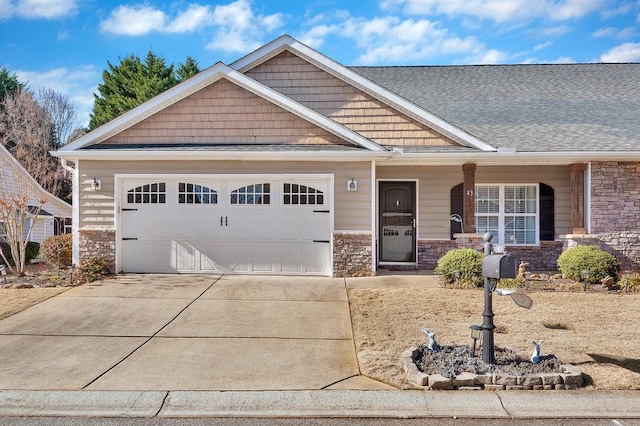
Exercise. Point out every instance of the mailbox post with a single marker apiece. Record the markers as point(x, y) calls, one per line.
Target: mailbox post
point(494, 267)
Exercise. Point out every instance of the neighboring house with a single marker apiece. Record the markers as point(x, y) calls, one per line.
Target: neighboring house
point(287, 162)
point(55, 216)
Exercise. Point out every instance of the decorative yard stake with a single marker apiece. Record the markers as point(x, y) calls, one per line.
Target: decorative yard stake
point(432, 345)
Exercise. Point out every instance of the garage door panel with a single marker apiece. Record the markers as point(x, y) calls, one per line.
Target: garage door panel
point(182, 235)
point(148, 256)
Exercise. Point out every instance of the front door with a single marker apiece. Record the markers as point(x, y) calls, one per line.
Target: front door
point(397, 232)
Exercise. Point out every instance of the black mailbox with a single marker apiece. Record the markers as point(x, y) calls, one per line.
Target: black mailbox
point(499, 266)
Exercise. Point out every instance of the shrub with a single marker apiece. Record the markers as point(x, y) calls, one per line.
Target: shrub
point(93, 269)
point(634, 282)
point(599, 263)
point(6, 250)
point(467, 261)
point(31, 251)
point(57, 247)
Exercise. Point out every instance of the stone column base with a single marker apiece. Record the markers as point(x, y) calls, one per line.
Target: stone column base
point(98, 243)
point(352, 254)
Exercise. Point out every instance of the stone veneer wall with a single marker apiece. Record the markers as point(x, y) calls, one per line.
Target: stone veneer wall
point(543, 258)
point(615, 197)
point(98, 243)
point(625, 246)
point(615, 212)
point(430, 251)
point(352, 254)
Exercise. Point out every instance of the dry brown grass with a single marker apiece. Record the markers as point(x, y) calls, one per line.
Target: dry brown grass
point(14, 300)
point(600, 332)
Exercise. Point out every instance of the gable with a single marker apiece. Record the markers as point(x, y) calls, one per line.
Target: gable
point(348, 105)
point(224, 113)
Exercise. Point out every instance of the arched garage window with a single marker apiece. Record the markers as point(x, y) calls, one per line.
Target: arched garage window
point(295, 194)
point(513, 205)
point(151, 193)
point(259, 193)
point(190, 193)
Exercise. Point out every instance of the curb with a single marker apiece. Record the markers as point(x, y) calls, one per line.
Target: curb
point(324, 403)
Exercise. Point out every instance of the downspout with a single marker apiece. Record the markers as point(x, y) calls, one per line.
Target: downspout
point(374, 250)
point(587, 198)
point(75, 210)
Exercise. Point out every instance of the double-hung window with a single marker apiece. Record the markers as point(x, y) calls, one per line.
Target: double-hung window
point(509, 212)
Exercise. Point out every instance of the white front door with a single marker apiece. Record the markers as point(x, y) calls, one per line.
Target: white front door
point(259, 224)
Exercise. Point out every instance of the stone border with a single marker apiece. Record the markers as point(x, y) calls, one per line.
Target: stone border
point(570, 377)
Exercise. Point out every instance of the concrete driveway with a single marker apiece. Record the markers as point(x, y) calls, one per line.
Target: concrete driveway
point(185, 332)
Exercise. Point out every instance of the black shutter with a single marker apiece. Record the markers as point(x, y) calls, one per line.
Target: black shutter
point(547, 219)
point(457, 207)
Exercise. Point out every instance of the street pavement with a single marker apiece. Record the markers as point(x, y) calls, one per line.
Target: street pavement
point(176, 346)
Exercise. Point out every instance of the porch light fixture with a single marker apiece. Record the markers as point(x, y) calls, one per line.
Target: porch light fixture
point(476, 334)
point(585, 278)
point(352, 185)
point(627, 275)
point(96, 184)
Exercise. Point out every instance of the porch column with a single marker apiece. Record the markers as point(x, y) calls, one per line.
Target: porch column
point(469, 196)
point(576, 205)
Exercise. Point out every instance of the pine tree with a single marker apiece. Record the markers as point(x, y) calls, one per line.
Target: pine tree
point(133, 82)
point(187, 69)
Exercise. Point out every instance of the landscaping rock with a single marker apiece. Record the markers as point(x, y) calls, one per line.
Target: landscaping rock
point(437, 381)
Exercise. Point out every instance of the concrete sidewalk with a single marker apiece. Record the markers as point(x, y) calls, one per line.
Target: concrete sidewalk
point(327, 403)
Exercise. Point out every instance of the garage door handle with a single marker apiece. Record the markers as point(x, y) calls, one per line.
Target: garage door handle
point(226, 221)
point(321, 241)
point(220, 220)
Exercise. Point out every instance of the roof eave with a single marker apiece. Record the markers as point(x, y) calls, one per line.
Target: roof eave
point(212, 155)
point(509, 159)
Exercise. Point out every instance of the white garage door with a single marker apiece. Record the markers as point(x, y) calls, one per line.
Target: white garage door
point(254, 224)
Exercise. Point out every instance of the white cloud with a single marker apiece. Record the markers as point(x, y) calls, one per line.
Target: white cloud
point(38, 9)
point(488, 57)
point(499, 11)
point(134, 21)
point(239, 28)
point(190, 19)
point(78, 84)
point(390, 39)
point(604, 32)
point(627, 52)
point(542, 46)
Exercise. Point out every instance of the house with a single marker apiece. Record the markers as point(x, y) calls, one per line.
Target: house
point(55, 216)
point(287, 162)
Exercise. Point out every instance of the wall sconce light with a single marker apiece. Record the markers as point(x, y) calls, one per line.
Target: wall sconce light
point(96, 184)
point(352, 185)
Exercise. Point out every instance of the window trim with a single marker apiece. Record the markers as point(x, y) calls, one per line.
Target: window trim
point(502, 215)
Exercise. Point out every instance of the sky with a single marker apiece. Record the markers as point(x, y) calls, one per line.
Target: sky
point(66, 44)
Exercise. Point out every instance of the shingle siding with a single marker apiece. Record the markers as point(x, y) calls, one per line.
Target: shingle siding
point(224, 113)
point(342, 102)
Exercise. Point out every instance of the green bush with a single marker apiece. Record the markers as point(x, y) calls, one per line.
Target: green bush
point(467, 261)
point(57, 247)
point(31, 252)
point(599, 263)
point(93, 269)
